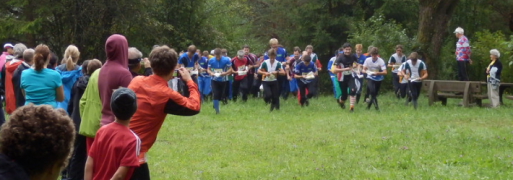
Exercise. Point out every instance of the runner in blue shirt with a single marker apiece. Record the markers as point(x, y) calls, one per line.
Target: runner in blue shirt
point(361, 59)
point(305, 72)
point(204, 79)
point(219, 67)
point(189, 61)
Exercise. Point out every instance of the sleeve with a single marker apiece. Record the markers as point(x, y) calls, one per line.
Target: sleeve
point(208, 64)
point(424, 67)
point(233, 64)
point(315, 68)
point(263, 66)
point(57, 80)
point(383, 66)
point(278, 67)
point(183, 106)
point(297, 69)
point(130, 158)
point(392, 60)
point(229, 64)
point(318, 64)
point(330, 64)
point(180, 60)
point(365, 63)
point(148, 71)
point(266, 56)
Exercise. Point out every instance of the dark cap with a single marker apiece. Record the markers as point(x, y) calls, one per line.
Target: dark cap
point(123, 103)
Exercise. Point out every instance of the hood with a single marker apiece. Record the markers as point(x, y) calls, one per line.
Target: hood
point(116, 48)
point(12, 66)
point(10, 169)
point(82, 82)
point(69, 76)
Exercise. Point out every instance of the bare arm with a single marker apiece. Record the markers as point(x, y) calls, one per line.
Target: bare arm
point(121, 173)
point(59, 94)
point(424, 74)
point(88, 173)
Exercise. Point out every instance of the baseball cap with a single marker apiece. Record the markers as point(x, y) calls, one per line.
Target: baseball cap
point(8, 45)
point(459, 30)
point(123, 103)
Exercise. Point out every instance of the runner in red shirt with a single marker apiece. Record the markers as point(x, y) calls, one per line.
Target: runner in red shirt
point(115, 150)
point(240, 68)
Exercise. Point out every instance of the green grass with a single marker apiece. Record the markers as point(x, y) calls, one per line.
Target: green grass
point(246, 141)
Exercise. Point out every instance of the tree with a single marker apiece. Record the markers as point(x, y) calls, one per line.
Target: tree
point(434, 17)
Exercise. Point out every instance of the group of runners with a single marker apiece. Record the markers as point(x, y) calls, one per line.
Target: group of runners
point(276, 74)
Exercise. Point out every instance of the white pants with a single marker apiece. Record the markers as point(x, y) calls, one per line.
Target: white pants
point(493, 95)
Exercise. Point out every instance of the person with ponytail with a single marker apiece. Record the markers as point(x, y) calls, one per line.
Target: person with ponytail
point(70, 72)
point(39, 84)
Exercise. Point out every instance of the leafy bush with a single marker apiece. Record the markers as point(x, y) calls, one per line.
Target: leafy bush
point(485, 41)
point(384, 34)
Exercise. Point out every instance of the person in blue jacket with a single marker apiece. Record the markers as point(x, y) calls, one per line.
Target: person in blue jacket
point(70, 72)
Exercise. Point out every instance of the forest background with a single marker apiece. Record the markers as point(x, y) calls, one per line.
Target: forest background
point(424, 26)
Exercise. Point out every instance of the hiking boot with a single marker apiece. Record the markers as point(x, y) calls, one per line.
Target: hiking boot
point(342, 104)
point(415, 104)
point(307, 103)
point(351, 109)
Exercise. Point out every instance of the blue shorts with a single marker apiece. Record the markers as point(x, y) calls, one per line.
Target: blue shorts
point(293, 85)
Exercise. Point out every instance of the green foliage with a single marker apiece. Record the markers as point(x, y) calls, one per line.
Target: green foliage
point(323, 141)
point(485, 41)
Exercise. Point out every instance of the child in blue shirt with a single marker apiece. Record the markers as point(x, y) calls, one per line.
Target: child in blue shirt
point(219, 67)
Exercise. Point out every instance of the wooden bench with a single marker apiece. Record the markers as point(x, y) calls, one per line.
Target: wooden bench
point(502, 88)
point(441, 90)
point(509, 97)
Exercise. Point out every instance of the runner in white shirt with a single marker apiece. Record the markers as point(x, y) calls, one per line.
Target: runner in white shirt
point(415, 71)
point(376, 70)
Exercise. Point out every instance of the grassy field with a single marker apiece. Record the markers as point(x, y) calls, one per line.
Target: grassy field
point(246, 141)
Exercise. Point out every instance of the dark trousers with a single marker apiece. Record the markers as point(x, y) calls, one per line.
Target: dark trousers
point(185, 88)
point(403, 90)
point(462, 70)
point(141, 173)
point(242, 87)
point(256, 85)
point(312, 90)
point(284, 86)
point(271, 93)
point(251, 78)
point(218, 89)
point(415, 88)
point(373, 87)
point(75, 169)
point(347, 87)
point(396, 84)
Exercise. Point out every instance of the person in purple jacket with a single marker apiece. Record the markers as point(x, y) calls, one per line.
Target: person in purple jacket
point(114, 73)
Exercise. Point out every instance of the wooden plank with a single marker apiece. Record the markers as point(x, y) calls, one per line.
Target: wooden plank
point(466, 95)
point(509, 97)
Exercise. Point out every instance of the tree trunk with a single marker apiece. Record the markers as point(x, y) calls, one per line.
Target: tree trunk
point(434, 17)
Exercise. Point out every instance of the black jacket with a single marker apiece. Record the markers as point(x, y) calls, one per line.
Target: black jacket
point(16, 81)
point(74, 102)
point(11, 170)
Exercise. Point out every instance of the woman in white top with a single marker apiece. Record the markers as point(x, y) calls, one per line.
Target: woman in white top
point(270, 70)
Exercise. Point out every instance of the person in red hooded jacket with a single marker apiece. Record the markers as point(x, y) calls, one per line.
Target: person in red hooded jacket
point(7, 73)
point(114, 73)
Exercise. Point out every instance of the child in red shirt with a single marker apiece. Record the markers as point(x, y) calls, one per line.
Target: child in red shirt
point(155, 100)
point(115, 150)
